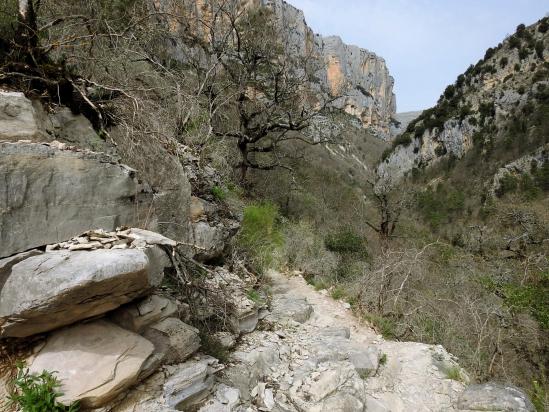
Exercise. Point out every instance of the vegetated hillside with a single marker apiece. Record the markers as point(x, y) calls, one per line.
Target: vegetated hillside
point(477, 168)
point(495, 101)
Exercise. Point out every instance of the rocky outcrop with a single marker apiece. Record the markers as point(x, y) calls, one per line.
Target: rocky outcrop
point(191, 384)
point(50, 193)
point(17, 117)
point(494, 397)
point(521, 166)
point(363, 79)
point(94, 361)
point(58, 288)
point(174, 341)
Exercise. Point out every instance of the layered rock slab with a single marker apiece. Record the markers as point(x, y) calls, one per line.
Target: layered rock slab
point(49, 194)
point(58, 288)
point(108, 359)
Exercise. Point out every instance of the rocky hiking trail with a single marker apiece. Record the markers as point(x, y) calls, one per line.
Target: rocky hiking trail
point(310, 353)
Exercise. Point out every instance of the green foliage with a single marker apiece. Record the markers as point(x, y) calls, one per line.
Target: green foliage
point(544, 25)
point(254, 296)
point(454, 372)
point(539, 396)
point(385, 326)
point(517, 67)
point(210, 345)
point(386, 153)
point(219, 193)
point(438, 207)
point(402, 140)
point(539, 47)
point(514, 42)
point(338, 293)
point(507, 184)
point(503, 61)
point(346, 241)
point(260, 235)
point(37, 393)
point(523, 53)
point(383, 359)
point(531, 297)
point(489, 53)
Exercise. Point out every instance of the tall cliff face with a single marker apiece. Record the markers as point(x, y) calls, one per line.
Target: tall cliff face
point(488, 106)
point(359, 76)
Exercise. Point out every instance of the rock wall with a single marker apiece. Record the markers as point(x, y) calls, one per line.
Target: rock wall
point(49, 193)
point(360, 76)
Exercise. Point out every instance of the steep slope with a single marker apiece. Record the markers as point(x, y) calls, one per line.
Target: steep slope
point(501, 97)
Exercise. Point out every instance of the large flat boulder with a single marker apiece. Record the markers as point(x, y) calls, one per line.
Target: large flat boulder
point(494, 397)
point(58, 288)
point(17, 117)
point(49, 194)
point(94, 361)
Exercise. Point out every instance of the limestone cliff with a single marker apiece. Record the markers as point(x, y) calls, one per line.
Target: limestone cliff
point(488, 106)
point(357, 76)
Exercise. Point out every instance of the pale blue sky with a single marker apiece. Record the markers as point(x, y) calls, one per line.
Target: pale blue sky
point(426, 43)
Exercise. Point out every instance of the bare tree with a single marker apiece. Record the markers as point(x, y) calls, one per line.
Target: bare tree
point(390, 202)
point(269, 87)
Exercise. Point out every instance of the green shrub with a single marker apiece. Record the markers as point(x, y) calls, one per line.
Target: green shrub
point(530, 297)
point(503, 62)
point(385, 326)
point(541, 177)
point(539, 396)
point(259, 235)
point(218, 193)
point(346, 241)
point(37, 393)
point(210, 345)
point(386, 153)
point(489, 53)
point(514, 42)
point(454, 372)
point(507, 184)
point(523, 53)
point(338, 292)
point(402, 140)
point(539, 47)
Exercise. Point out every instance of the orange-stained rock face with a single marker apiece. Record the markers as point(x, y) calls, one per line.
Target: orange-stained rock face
point(359, 75)
point(334, 75)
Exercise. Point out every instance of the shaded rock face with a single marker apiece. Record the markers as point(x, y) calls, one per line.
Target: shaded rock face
point(58, 288)
point(94, 361)
point(48, 194)
point(17, 117)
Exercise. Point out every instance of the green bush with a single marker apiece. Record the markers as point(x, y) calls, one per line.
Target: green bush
point(503, 62)
point(507, 184)
point(386, 153)
point(219, 193)
point(37, 393)
point(539, 47)
point(523, 53)
point(346, 241)
point(260, 235)
point(402, 140)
